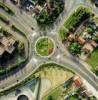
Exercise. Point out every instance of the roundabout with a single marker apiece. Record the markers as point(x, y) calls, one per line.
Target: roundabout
point(45, 46)
point(48, 64)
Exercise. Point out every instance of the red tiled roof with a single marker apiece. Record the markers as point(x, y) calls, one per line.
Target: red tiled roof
point(81, 40)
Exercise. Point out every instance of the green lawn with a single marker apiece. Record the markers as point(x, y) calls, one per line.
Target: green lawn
point(93, 59)
point(44, 45)
point(33, 88)
point(74, 97)
point(54, 95)
point(63, 33)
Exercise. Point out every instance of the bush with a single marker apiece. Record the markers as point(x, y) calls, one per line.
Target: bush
point(75, 48)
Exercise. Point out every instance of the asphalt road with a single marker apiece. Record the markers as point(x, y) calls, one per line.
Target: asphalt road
point(24, 22)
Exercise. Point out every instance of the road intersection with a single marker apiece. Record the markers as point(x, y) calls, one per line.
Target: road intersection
point(61, 55)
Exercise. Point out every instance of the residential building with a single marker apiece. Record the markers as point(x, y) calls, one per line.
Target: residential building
point(81, 40)
point(71, 37)
point(88, 48)
point(93, 43)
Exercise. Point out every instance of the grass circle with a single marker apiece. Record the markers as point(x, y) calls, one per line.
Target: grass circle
point(45, 46)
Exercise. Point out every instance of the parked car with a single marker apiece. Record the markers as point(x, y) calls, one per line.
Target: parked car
point(14, 1)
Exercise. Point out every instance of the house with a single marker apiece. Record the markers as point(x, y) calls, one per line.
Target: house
point(81, 40)
point(93, 43)
point(88, 48)
point(85, 33)
point(71, 37)
point(37, 9)
point(77, 81)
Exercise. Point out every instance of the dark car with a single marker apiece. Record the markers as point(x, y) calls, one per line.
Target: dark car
point(14, 1)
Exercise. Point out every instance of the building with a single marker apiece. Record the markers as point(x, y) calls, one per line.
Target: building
point(85, 33)
point(71, 37)
point(93, 43)
point(6, 44)
point(77, 81)
point(88, 48)
point(37, 9)
point(81, 40)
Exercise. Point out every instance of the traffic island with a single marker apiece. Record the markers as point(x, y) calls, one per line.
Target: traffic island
point(44, 46)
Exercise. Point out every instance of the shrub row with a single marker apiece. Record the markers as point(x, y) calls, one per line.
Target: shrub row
point(6, 8)
point(17, 30)
point(4, 19)
point(10, 68)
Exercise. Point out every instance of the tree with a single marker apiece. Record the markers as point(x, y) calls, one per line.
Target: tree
point(75, 48)
point(41, 2)
point(50, 98)
point(90, 30)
